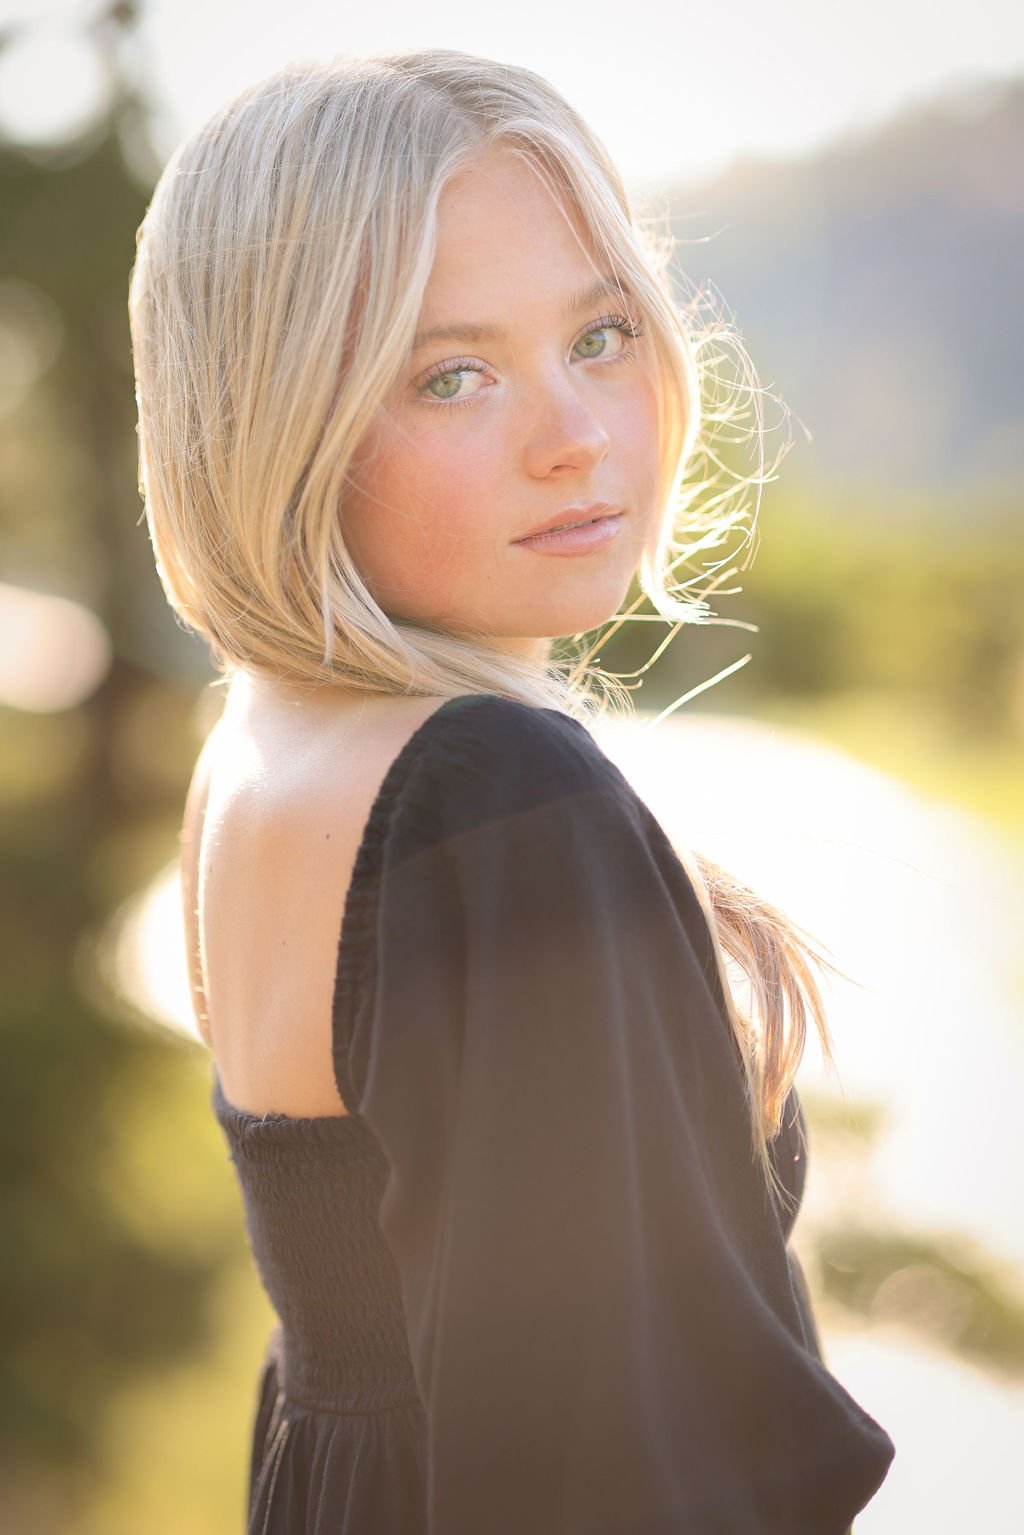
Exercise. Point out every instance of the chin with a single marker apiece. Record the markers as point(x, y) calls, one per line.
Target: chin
point(566, 619)
point(598, 605)
point(545, 611)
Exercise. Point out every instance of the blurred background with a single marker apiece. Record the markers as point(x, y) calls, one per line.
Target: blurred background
point(847, 181)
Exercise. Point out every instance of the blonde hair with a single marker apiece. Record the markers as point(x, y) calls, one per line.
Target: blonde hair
point(279, 275)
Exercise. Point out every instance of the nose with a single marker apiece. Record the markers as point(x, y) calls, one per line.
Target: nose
point(565, 431)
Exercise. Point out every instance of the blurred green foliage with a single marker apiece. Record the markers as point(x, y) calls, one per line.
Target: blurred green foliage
point(849, 600)
point(106, 1281)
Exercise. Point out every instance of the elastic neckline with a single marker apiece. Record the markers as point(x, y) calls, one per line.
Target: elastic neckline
point(243, 1122)
point(355, 952)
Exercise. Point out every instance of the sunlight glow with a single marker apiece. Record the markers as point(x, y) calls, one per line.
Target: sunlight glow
point(54, 652)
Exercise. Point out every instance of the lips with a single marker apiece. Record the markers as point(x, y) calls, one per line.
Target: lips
point(564, 526)
point(574, 517)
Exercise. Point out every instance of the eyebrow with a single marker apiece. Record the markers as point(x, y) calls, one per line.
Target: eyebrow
point(466, 331)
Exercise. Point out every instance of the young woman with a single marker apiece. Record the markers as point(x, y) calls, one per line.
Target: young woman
point(518, 1172)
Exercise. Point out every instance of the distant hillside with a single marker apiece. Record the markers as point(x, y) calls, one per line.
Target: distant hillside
point(877, 286)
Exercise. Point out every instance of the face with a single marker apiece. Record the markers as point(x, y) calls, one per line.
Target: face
point(535, 402)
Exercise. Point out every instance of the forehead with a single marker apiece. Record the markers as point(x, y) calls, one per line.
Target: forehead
point(501, 230)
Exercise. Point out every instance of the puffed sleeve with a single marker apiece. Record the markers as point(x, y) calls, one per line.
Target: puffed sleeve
point(599, 1304)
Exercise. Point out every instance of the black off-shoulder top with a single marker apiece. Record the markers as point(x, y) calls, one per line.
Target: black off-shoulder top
point(532, 1283)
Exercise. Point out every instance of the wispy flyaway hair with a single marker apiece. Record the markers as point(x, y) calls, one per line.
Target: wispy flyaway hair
point(280, 271)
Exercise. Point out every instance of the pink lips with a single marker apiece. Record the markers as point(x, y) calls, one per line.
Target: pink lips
point(573, 514)
point(575, 540)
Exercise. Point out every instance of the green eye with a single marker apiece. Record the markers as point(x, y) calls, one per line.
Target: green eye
point(613, 322)
point(590, 338)
point(448, 380)
point(449, 376)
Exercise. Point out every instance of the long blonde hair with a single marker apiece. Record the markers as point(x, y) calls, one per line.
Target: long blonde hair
point(279, 275)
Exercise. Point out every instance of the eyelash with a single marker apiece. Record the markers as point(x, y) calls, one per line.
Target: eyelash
point(632, 328)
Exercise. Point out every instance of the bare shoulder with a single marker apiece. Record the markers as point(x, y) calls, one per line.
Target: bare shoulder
point(274, 817)
point(189, 844)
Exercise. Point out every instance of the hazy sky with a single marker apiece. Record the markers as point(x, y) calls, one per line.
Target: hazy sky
point(672, 88)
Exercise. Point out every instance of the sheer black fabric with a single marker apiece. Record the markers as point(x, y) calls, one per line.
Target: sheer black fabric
point(534, 1282)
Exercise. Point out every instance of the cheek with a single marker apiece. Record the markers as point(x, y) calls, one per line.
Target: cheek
point(444, 484)
point(645, 414)
point(419, 512)
point(638, 441)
